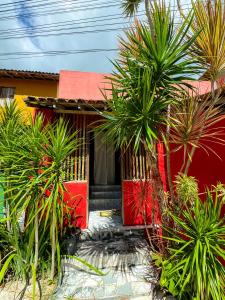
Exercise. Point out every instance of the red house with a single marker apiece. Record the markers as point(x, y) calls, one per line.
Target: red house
point(98, 177)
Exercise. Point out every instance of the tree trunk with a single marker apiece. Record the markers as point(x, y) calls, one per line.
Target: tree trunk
point(147, 10)
point(53, 244)
point(158, 191)
point(36, 222)
point(168, 161)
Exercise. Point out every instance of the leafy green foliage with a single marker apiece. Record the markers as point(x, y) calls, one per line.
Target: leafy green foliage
point(194, 269)
point(130, 7)
point(32, 164)
point(186, 188)
point(153, 65)
point(135, 116)
point(162, 49)
point(209, 47)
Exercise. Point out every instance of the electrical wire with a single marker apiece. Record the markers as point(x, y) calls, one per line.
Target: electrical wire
point(43, 4)
point(77, 8)
point(55, 12)
point(53, 30)
point(62, 24)
point(55, 53)
point(32, 35)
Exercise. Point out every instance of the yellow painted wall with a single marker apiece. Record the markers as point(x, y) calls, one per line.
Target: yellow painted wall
point(28, 87)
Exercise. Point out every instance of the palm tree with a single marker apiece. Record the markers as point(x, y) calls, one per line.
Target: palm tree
point(130, 7)
point(152, 67)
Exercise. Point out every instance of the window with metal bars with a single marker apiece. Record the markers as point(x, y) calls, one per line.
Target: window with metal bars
point(6, 95)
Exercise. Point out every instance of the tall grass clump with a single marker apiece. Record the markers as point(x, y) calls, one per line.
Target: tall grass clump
point(31, 160)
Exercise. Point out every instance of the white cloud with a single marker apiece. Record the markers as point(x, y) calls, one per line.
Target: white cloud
point(98, 62)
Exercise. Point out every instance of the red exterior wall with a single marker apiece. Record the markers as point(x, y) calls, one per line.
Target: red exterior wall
point(48, 114)
point(76, 200)
point(207, 168)
point(77, 192)
point(138, 203)
point(82, 85)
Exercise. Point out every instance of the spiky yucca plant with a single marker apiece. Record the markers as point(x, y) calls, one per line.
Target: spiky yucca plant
point(152, 67)
point(194, 268)
point(186, 188)
point(32, 164)
point(209, 46)
point(130, 8)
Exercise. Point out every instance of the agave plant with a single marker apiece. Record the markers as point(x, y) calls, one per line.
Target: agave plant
point(194, 268)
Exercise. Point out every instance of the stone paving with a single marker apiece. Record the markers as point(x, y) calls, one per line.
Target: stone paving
point(123, 257)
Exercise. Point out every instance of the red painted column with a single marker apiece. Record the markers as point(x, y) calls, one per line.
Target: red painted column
point(76, 195)
point(138, 204)
point(75, 198)
point(48, 114)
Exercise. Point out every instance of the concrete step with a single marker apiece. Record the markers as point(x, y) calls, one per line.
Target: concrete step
point(105, 194)
point(101, 188)
point(104, 204)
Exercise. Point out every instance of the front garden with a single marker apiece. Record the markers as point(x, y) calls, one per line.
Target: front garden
point(153, 101)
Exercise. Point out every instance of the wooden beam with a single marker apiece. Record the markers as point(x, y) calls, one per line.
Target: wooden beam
point(77, 112)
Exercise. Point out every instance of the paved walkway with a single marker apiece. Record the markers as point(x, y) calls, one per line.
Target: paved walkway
point(123, 257)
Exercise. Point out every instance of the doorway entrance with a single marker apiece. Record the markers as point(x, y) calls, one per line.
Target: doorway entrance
point(105, 182)
point(104, 162)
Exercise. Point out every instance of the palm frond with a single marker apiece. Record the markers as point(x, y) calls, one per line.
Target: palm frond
point(209, 45)
point(130, 7)
point(196, 122)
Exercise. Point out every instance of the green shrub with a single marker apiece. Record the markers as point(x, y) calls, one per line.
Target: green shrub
point(193, 268)
point(186, 188)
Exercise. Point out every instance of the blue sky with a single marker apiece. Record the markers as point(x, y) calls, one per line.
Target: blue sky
point(30, 15)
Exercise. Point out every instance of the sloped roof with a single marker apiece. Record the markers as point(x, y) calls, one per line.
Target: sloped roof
point(24, 74)
point(61, 102)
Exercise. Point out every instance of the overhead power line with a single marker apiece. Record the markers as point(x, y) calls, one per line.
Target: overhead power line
point(77, 32)
point(61, 9)
point(33, 3)
point(42, 4)
point(16, 2)
point(54, 12)
point(70, 32)
point(53, 26)
point(21, 55)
